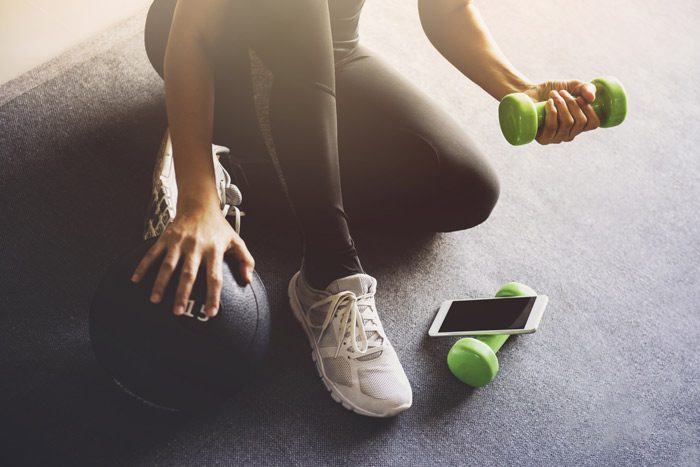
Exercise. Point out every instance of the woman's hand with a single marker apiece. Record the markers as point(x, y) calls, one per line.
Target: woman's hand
point(568, 111)
point(196, 235)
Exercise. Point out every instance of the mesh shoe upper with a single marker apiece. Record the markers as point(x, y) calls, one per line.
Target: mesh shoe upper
point(164, 191)
point(356, 355)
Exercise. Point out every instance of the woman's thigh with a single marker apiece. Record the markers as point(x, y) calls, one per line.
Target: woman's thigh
point(235, 118)
point(404, 160)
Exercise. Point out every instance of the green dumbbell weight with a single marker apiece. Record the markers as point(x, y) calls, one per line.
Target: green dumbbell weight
point(473, 359)
point(520, 117)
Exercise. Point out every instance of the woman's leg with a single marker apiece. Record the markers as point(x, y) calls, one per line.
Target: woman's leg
point(403, 160)
point(294, 40)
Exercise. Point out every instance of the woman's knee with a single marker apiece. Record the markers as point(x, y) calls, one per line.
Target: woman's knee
point(470, 192)
point(156, 31)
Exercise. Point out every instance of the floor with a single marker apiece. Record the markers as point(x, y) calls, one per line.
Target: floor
point(606, 226)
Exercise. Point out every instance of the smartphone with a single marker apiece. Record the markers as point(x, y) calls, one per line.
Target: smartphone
point(500, 315)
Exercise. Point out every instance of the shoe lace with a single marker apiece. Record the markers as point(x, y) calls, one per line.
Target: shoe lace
point(353, 321)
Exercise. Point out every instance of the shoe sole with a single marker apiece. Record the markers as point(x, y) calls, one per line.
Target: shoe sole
point(330, 386)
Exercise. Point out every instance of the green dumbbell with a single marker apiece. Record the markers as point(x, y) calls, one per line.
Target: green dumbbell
point(520, 118)
point(473, 359)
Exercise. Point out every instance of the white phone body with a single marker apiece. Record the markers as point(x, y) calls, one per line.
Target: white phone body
point(530, 326)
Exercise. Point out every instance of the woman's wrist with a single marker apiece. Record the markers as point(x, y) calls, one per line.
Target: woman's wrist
point(523, 86)
point(533, 91)
point(198, 199)
point(513, 82)
point(196, 180)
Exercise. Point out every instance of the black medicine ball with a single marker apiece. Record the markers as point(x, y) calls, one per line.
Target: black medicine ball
point(184, 362)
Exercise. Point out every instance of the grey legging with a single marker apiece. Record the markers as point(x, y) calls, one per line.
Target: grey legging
point(339, 115)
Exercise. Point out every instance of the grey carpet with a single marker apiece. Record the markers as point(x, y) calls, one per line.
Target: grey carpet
point(606, 226)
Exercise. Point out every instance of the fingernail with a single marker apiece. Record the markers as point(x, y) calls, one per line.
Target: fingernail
point(179, 310)
point(212, 311)
point(155, 298)
point(135, 278)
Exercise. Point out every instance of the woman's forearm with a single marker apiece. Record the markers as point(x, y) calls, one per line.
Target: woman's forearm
point(458, 32)
point(189, 93)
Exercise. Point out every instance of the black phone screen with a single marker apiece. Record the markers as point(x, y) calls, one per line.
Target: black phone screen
point(488, 314)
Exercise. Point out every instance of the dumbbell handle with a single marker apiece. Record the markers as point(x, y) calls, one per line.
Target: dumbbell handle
point(598, 106)
point(495, 341)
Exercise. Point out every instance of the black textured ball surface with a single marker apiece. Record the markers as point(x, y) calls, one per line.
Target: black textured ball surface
point(184, 362)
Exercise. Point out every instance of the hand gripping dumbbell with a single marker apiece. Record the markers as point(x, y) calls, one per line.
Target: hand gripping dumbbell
point(473, 359)
point(520, 117)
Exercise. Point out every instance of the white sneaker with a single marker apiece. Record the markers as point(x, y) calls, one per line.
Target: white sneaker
point(353, 355)
point(161, 210)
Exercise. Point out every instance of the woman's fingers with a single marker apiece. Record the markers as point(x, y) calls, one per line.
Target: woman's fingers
point(214, 262)
point(247, 263)
point(151, 255)
point(188, 275)
point(191, 240)
point(564, 118)
point(165, 273)
point(568, 111)
point(587, 90)
point(549, 128)
point(580, 119)
point(593, 121)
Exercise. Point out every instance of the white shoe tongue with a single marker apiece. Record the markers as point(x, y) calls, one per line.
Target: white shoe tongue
point(359, 284)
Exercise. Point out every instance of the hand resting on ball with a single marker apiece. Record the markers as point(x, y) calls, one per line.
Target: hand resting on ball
point(198, 234)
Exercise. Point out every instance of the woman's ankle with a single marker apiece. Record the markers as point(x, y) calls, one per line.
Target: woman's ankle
point(319, 273)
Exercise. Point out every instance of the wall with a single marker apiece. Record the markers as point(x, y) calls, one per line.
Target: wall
point(35, 31)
